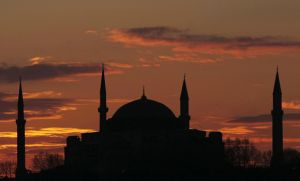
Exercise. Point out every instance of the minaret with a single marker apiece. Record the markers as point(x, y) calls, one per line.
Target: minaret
point(277, 113)
point(103, 107)
point(21, 169)
point(184, 106)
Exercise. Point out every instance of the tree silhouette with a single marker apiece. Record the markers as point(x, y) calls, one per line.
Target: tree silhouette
point(8, 168)
point(46, 161)
point(291, 158)
point(266, 157)
point(242, 153)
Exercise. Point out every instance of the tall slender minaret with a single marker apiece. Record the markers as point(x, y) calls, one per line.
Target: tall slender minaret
point(21, 169)
point(184, 106)
point(103, 106)
point(277, 114)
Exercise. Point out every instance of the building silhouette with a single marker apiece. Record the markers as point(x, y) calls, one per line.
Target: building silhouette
point(21, 169)
point(277, 129)
point(143, 136)
point(144, 140)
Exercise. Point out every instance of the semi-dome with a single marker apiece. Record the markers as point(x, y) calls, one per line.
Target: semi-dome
point(144, 113)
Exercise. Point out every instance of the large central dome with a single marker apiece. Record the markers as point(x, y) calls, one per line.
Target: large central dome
point(144, 114)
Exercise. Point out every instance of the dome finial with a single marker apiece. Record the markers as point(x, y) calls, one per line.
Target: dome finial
point(144, 96)
point(143, 90)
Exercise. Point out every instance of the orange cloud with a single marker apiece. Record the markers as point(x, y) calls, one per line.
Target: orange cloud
point(51, 117)
point(123, 36)
point(291, 105)
point(262, 127)
point(239, 130)
point(118, 100)
point(269, 140)
point(189, 57)
point(47, 132)
point(91, 32)
point(34, 95)
point(50, 139)
point(145, 63)
point(96, 101)
point(38, 145)
point(120, 65)
point(38, 59)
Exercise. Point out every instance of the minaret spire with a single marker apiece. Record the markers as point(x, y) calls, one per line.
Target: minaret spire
point(184, 105)
point(21, 169)
point(277, 128)
point(103, 106)
point(277, 87)
point(20, 101)
point(184, 93)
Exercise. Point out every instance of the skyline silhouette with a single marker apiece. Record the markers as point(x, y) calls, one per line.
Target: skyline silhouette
point(183, 95)
point(144, 139)
point(229, 52)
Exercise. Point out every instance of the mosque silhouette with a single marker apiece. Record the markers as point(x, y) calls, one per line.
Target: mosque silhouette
point(144, 140)
point(143, 136)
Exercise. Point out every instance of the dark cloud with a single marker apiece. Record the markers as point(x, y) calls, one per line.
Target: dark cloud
point(178, 35)
point(36, 108)
point(265, 118)
point(155, 32)
point(44, 71)
point(184, 41)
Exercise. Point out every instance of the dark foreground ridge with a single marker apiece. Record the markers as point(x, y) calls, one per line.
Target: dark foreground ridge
point(187, 174)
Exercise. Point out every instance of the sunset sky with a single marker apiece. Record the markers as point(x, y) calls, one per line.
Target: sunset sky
point(229, 51)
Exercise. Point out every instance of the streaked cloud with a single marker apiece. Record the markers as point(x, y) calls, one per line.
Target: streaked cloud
point(50, 139)
point(292, 105)
point(182, 41)
point(45, 105)
point(188, 57)
point(34, 145)
point(38, 59)
point(120, 65)
point(91, 32)
point(38, 106)
point(47, 132)
point(118, 100)
point(142, 63)
point(239, 130)
point(264, 118)
point(145, 63)
point(96, 101)
point(32, 95)
point(269, 140)
point(262, 127)
point(54, 71)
